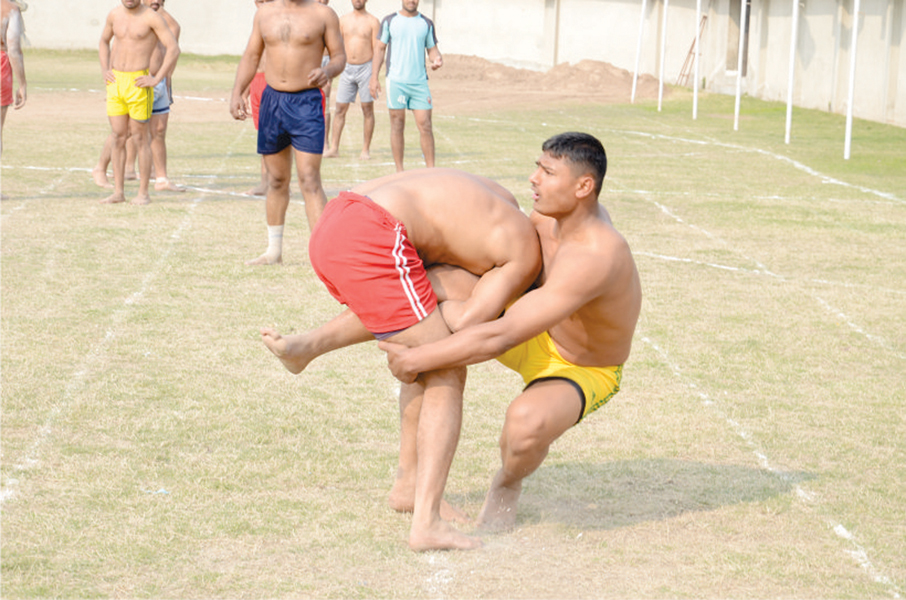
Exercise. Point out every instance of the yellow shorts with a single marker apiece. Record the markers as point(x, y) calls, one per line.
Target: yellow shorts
point(126, 98)
point(538, 359)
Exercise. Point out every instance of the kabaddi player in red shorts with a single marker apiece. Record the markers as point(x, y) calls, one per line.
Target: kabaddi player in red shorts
point(373, 248)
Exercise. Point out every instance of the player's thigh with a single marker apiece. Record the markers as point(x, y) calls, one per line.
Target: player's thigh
point(544, 411)
point(308, 167)
point(430, 329)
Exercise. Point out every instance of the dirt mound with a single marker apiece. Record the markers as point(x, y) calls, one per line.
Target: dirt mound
point(472, 80)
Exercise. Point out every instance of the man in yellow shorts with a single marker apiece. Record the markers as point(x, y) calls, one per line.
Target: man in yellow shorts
point(130, 97)
point(568, 337)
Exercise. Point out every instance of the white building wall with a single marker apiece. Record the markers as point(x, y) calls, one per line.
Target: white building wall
point(541, 33)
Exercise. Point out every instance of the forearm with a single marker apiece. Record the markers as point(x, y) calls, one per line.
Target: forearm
point(244, 74)
point(168, 64)
point(467, 347)
point(336, 65)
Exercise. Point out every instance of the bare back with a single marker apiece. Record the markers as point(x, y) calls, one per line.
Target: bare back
point(592, 263)
point(136, 39)
point(294, 34)
point(360, 29)
point(456, 218)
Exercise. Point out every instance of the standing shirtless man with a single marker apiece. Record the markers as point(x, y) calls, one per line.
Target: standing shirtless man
point(163, 98)
point(12, 61)
point(394, 229)
point(360, 31)
point(568, 337)
point(130, 97)
point(160, 117)
point(294, 33)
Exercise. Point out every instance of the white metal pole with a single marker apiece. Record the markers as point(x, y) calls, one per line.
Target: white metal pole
point(852, 82)
point(698, 30)
point(794, 40)
point(638, 50)
point(742, 41)
point(660, 91)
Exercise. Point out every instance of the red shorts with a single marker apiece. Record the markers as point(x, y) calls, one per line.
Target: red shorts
point(255, 89)
point(362, 254)
point(6, 80)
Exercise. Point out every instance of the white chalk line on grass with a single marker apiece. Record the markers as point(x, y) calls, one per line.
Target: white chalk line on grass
point(90, 363)
point(764, 270)
point(93, 359)
point(856, 551)
point(792, 162)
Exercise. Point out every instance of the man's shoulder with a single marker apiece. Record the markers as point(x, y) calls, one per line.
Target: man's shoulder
point(429, 22)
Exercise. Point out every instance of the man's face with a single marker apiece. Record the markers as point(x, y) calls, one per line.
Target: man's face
point(132, 4)
point(358, 4)
point(153, 4)
point(554, 183)
point(410, 6)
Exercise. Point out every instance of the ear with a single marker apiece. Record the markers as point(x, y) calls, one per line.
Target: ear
point(585, 186)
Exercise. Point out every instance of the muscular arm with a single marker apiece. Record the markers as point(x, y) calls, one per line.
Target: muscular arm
point(176, 29)
point(248, 65)
point(494, 290)
point(376, 62)
point(104, 50)
point(579, 279)
point(333, 41)
point(171, 51)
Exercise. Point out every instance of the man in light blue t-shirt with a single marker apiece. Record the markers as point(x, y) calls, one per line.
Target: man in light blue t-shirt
point(405, 36)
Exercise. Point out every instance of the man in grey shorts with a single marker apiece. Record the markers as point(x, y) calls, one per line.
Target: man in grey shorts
point(360, 31)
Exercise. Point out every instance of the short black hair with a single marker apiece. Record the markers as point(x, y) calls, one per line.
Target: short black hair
point(582, 150)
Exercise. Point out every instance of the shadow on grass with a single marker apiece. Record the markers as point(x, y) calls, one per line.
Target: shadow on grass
point(623, 493)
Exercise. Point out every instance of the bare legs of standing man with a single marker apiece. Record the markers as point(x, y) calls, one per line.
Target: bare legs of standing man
point(279, 173)
point(398, 140)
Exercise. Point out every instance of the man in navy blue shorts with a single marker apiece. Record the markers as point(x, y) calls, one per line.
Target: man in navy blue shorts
point(295, 34)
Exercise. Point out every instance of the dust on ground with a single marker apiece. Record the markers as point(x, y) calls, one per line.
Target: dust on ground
point(470, 83)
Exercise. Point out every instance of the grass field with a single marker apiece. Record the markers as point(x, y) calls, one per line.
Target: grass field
point(153, 448)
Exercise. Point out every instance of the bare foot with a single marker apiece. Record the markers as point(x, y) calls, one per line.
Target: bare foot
point(332, 153)
point(130, 176)
point(163, 184)
point(266, 259)
point(499, 510)
point(100, 178)
point(365, 155)
point(292, 350)
point(402, 499)
point(258, 190)
point(114, 198)
point(141, 200)
point(440, 535)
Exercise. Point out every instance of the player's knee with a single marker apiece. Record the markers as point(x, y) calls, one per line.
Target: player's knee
point(277, 181)
point(524, 428)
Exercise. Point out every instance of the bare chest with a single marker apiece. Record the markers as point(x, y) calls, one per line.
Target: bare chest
point(291, 29)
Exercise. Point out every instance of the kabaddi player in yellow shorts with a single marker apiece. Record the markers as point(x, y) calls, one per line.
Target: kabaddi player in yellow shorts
point(139, 32)
point(126, 98)
point(568, 336)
